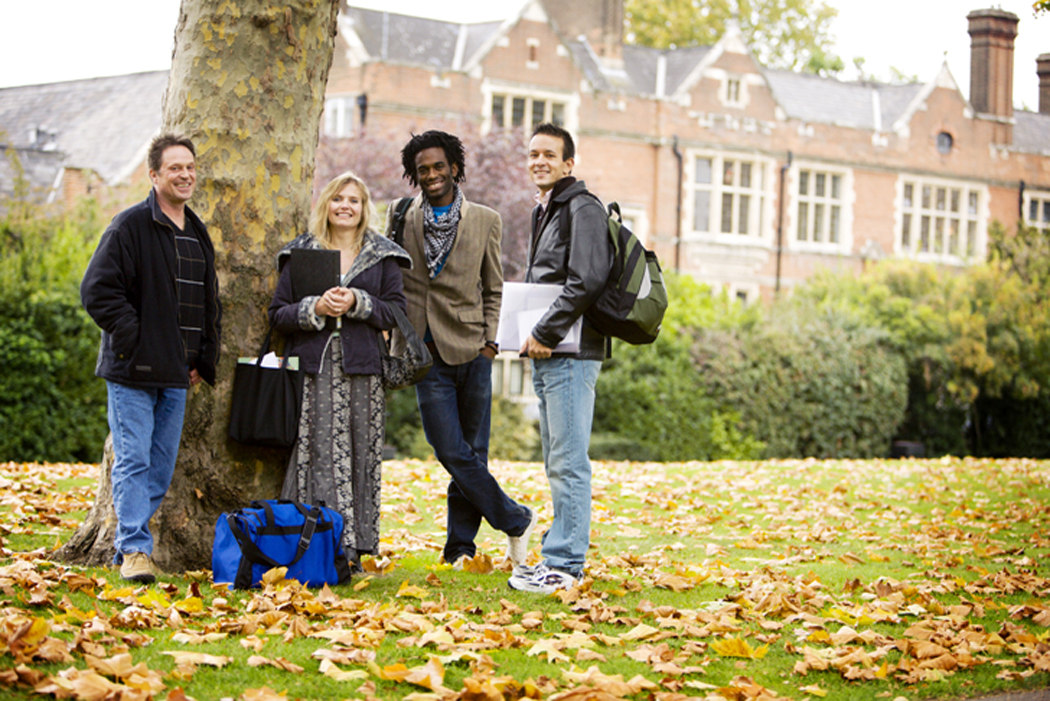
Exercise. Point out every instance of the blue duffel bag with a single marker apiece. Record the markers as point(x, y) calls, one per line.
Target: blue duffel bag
point(308, 540)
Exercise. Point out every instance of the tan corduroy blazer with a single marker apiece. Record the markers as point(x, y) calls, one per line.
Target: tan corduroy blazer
point(461, 305)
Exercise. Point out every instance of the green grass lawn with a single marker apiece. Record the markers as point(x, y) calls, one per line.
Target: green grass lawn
point(732, 580)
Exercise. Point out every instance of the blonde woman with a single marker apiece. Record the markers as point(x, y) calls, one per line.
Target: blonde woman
point(338, 454)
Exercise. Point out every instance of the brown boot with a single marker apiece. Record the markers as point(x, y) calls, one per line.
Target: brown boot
point(136, 568)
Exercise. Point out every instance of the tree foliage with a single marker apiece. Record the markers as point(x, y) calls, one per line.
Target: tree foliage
point(790, 34)
point(976, 342)
point(52, 408)
point(495, 170)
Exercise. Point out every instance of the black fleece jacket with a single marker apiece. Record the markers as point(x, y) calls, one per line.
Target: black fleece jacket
point(129, 289)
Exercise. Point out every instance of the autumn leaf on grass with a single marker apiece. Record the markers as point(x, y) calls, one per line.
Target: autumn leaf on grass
point(479, 564)
point(363, 584)
point(640, 632)
point(429, 676)
point(24, 635)
point(198, 658)
point(738, 647)
point(191, 638)
point(193, 604)
point(411, 590)
point(813, 690)
point(329, 669)
point(279, 663)
point(674, 582)
point(548, 648)
point(262, 694)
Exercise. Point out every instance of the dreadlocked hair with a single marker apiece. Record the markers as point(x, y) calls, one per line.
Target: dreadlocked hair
point(450, 144)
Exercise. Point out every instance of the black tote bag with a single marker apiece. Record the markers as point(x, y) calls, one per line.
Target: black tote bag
point(266, 402)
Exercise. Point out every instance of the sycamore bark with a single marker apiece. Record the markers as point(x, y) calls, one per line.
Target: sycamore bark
point(247, 86)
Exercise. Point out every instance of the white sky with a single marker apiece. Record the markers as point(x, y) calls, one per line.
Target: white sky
point(59, 40)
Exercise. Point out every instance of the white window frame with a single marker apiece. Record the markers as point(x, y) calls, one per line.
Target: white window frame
point(636, 219)
point(570, 103)
point(1041, 200)
point(339, 115)
point(759, 206)
point(819, 208)
point(926, 220)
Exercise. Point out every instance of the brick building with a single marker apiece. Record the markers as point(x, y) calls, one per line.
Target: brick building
point(750, 179)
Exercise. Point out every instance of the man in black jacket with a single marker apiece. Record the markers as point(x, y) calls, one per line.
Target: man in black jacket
point(573, 251)
point(151, 288)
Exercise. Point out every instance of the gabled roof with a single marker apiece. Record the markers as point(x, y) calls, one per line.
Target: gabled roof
point(102, 124)
point(404, 39)
point(1031, 132)
point(861, 105)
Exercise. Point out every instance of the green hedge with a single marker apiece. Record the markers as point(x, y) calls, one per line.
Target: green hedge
point(808, 382)
point(52, 407)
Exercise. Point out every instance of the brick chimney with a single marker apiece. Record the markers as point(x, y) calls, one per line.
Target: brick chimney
point(1042, 69)
point(600, 21)
point(992, 34)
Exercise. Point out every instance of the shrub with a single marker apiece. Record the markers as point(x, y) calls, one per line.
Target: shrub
point(808, 382)
point(52, 407)
point(654, 401)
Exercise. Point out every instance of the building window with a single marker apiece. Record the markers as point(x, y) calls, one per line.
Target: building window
point(729, 195)
point(511, 111)
point(944, 143)
point(733, 95)
point(339, 116)
point(821, 209)
point(941, 220)
point(1037, 210)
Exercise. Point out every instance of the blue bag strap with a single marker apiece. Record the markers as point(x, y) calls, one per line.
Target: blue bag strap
point(251, 551)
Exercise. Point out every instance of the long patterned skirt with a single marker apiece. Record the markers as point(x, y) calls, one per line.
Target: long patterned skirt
point(338, 456)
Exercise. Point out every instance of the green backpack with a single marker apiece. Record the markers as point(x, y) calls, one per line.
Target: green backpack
point(631, 306)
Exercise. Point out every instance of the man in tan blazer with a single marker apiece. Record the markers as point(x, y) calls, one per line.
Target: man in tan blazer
point(454, 290)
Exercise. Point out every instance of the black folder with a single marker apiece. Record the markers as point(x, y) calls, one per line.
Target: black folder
point(314, 271)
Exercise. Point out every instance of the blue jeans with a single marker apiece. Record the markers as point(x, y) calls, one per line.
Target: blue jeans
point(565, 387)
point(146, 425)
point(455, 403)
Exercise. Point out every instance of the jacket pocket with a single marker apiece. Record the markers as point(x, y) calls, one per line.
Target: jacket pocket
point(472, 316)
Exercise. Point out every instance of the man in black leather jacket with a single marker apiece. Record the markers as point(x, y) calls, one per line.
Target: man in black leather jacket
point(569, 247)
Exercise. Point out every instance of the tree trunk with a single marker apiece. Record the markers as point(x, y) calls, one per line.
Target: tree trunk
point(247, 86)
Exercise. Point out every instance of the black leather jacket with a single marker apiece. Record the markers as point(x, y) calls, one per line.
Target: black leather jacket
point(579, 260)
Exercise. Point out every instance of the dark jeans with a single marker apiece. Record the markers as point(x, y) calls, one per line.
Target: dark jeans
point(455, 403)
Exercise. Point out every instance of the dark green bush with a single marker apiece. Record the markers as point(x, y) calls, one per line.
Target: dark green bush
point(808, 382)
point(52, 407)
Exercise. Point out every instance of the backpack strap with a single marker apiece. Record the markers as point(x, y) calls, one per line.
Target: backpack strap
point(397, 222)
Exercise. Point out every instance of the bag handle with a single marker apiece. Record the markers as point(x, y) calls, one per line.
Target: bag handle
point(251, 551)
point(403, 325)
point(265, 348)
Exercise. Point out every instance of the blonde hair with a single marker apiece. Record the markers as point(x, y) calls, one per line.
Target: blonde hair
point(319, 214)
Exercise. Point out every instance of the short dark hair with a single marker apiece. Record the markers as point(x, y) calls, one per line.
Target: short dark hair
point(449, 143)
point(568, 148)
point(163, 142)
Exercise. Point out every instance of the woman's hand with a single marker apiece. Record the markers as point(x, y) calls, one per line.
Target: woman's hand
point(335, 302)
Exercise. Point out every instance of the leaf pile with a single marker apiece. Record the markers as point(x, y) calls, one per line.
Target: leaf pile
point(729, 581)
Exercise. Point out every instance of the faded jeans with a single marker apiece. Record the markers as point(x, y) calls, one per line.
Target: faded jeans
point(146, 424)
point(565, 387)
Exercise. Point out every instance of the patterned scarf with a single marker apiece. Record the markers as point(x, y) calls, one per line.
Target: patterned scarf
point(440, 233)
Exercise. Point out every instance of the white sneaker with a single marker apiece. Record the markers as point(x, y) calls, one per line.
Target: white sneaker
point(542, 579)
point(518, 545)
